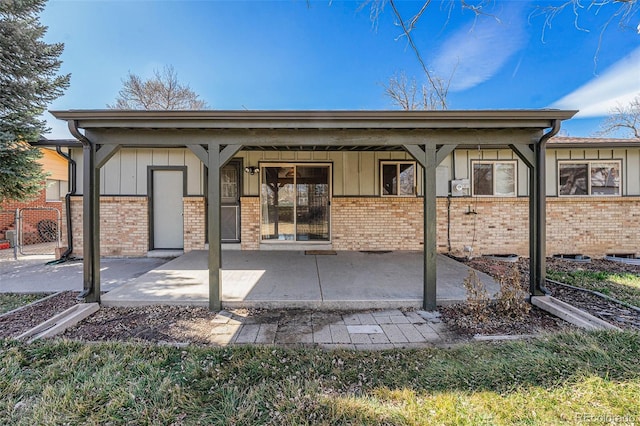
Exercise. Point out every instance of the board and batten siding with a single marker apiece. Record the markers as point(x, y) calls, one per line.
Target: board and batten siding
point(126, 172)
point(460, 163)
point(629, 157)
point(354, 173)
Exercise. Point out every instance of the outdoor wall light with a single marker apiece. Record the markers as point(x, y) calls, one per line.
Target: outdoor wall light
point(252, 170)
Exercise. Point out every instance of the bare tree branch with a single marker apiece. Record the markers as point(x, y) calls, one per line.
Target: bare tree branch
point(408, 95)
point(623, 119)
point(162, 92)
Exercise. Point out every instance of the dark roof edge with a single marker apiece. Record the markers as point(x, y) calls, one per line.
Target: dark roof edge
point(311, 115)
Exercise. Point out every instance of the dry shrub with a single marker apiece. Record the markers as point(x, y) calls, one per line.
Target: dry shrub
point(477, 297)
point(511, 300)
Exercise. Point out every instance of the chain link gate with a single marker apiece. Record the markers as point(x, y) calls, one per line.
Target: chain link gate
point(39, 230)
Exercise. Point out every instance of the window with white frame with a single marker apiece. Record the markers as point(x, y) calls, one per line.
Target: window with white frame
point(55, 189)
point(398, 178)
point(494, 178)
point(589, 177)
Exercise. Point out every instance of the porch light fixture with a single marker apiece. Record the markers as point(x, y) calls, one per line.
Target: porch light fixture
point(252, 170)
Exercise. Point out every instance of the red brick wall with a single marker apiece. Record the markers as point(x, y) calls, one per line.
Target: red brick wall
point(31, 217)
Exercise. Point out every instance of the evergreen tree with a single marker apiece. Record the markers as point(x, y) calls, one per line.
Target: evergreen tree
point(29, 80)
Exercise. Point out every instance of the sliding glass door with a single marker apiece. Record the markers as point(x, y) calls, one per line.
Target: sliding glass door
point(295, 202)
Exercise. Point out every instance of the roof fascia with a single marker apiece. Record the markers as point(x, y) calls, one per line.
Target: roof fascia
point(470, 119)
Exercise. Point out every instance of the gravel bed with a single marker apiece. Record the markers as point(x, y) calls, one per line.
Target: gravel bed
point(605, 309)
point(15, 323)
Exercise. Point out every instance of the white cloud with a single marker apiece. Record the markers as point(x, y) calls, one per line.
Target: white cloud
point(478, 53)
point(618, 85)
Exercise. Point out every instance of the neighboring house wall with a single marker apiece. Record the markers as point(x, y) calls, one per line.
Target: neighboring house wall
point(362, 219)
point(39, 208)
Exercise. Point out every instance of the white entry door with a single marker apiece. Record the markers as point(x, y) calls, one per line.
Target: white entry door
point(168, 224)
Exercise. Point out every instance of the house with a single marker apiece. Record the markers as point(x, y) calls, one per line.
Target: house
point(341, 180)
point(40, 216)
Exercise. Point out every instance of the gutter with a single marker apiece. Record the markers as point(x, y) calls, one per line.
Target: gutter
point(542, 194)
point(67, 202)
point(88, 286)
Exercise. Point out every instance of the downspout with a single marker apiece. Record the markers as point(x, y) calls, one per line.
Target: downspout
point(67, 202)
point(86, 146)
point(541, 236)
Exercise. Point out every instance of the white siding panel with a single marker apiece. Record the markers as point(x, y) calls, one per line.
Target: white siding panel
point(632, 172)
point(523, 179)
point(144, 158)
point(111, 175)
point(367, 173)
point(320, 155)
point(461, 165)
point(506, 154)
point(303, 156)
point(194, 174)
point(591, 154)
point(252, 183)
point(350, 170)
point(442, 181)
point(160, 157)
point(338, 181)
point(176, 157)
point(128, 176)
point(551, 175)
point(76, 154)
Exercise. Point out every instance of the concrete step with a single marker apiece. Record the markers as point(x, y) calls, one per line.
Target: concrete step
point(571, 314)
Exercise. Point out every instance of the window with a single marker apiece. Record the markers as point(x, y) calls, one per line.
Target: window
point(494, 178)
point(55, 189)
point(589, 177)
point(398, 178)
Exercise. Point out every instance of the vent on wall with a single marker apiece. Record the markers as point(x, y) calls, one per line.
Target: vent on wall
point(460, 188)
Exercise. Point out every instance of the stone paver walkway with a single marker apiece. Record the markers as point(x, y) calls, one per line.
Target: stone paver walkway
point(364, 330)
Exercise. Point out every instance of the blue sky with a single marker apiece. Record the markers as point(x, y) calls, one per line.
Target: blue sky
point(294, 54)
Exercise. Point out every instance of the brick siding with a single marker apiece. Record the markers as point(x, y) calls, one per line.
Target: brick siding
point(194, 223)
point(587, 225)
point(376, 223)
point(124, 226)
point(250, 223)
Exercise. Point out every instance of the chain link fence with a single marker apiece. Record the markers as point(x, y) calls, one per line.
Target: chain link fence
point(39, 230)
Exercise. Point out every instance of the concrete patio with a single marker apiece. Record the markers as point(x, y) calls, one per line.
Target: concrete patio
point(293, 279)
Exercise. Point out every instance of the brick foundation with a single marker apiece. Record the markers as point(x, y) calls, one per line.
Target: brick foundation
point(194, 223)
point(586, 225)
point(124, 226)
point(376, 223)
point(250, 223)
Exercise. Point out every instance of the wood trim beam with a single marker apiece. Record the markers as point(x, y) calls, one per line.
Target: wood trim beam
point(443, 151)
point(228, 152)
point(200, 152)
point(105, 153)
point(525, 153)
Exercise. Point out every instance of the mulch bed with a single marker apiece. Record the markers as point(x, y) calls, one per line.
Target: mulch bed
point(15, 323)
point(605, 309)
point(191, 324)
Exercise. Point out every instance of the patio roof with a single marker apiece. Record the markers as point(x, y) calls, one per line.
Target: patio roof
point(216, 136)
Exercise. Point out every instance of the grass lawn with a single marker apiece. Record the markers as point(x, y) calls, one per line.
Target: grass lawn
point(625, 287)
point(10, 301)
point(558, 379)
